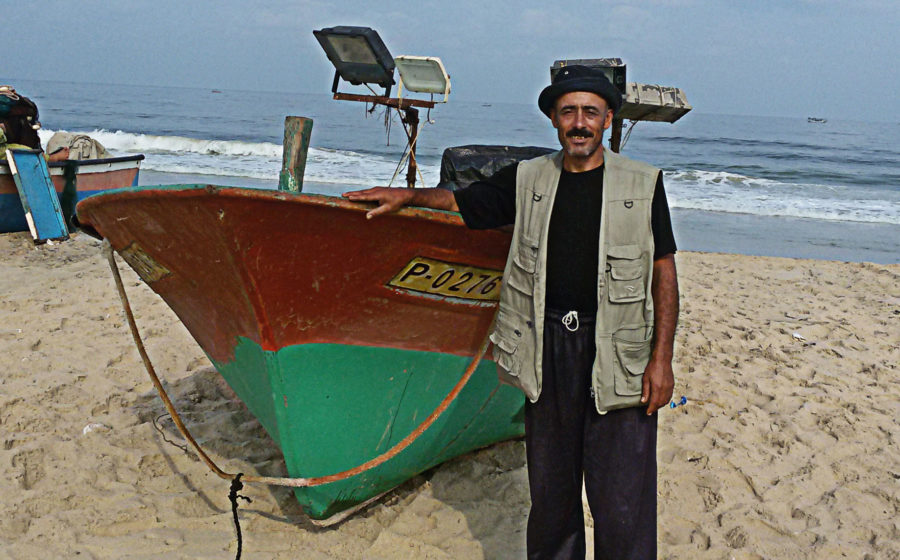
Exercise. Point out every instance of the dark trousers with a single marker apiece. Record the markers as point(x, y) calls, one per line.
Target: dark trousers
point(566, 438)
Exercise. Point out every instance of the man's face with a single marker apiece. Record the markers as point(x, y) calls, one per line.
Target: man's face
point(580, 117)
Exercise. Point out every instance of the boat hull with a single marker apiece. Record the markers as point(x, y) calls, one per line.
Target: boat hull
point(332, 329)
point(93, 177)
point(333, 407)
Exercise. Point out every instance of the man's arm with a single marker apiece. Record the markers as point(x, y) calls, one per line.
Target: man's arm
point(659, 381)
point(392, 199)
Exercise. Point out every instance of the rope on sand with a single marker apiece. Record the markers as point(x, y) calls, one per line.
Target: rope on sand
point(237, 486)
point(295, 482)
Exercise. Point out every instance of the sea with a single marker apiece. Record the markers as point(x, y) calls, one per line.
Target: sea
point(755, 185)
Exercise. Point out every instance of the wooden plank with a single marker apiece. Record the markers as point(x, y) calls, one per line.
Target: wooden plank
point(297, 131)
point(39, 200)
point(389, 101)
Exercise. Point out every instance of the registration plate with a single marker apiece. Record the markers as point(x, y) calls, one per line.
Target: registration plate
point(430, 276)
point(146, 267)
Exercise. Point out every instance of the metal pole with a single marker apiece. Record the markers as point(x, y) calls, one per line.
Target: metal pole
point(615, 135)
point(293, 159)
point(412, 121)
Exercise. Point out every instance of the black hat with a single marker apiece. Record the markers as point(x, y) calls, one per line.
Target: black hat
point(579, 78)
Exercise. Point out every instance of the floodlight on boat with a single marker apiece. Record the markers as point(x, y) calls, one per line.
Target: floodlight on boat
point(359, 56)
point(422, 74)
point(648, 102)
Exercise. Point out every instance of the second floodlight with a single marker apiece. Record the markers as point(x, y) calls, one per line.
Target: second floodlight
point(423, 74)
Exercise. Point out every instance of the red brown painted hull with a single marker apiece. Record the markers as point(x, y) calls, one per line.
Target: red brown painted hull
point(285, 269)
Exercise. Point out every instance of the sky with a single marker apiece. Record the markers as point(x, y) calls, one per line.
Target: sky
point(798, 58)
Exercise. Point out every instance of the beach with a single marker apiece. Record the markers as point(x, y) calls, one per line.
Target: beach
point(786, 447)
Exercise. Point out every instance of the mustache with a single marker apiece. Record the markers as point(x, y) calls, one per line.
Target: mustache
point(579, 132)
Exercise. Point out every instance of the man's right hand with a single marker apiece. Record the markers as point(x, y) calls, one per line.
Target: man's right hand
point(391, 200)
point(388, 199)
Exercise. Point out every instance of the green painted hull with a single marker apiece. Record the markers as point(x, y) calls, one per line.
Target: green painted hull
point(332, 407)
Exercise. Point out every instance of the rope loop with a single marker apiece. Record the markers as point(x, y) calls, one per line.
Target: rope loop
point(570, 319)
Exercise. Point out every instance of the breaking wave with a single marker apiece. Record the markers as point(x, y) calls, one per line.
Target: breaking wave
point(256, 160)
point(722, 191)
point(717, 191)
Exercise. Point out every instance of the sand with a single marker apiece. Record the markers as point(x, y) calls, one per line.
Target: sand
point(786, 448)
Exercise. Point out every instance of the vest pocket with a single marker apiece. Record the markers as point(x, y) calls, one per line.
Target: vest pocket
point(626, 283)
point(526, 255)
point(506, 344)
point(521, 274)
point(520, 279)
point(632, 358)
point(626, 274)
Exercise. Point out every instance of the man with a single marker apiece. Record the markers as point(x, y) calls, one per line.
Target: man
point(586, 320)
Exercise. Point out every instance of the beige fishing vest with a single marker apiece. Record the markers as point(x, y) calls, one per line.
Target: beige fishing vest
point(624, 327)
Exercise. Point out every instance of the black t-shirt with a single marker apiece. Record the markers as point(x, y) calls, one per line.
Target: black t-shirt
point(574, 236)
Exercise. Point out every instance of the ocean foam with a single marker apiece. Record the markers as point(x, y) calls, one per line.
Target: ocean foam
point(721, 191)
point(257, 160)
point(119, 141)
point(718, 191)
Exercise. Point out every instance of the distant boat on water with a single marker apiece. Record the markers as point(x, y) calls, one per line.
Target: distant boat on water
point(816, 120)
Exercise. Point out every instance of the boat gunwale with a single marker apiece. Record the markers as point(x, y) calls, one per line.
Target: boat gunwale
point(97, 161)
point(191, 190)
point(4, 166)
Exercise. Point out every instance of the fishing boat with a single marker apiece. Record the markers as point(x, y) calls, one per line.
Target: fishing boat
point(92, 176)
point(340, 334)
point(357, 344)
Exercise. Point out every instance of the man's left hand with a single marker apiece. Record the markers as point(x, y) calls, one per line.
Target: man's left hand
point(659, 382)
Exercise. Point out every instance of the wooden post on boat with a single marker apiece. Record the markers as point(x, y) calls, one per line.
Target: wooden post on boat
point(411, 118)
point(297, 131)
